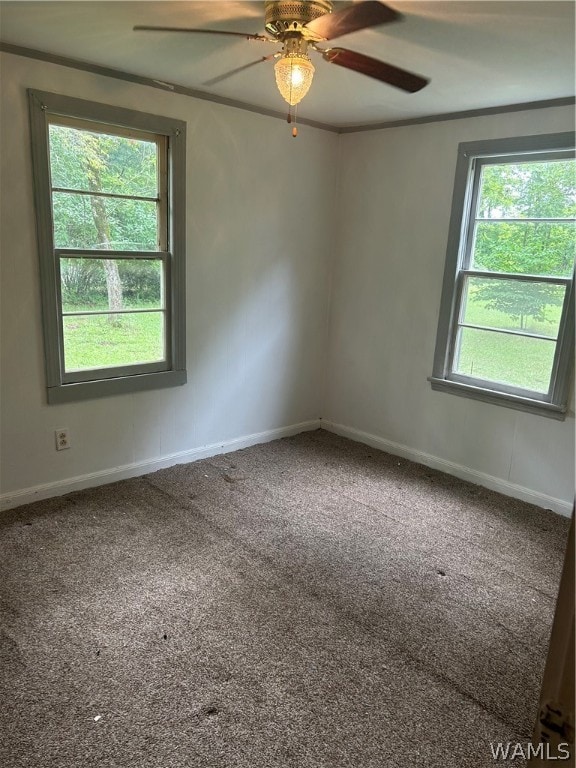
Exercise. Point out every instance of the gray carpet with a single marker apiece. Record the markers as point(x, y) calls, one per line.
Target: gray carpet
point(308, 603)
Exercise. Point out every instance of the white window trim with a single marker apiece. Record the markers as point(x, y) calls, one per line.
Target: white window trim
point(62, 387)
point(555, 403)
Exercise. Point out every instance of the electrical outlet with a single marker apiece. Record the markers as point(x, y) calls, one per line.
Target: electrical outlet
point(62, 439)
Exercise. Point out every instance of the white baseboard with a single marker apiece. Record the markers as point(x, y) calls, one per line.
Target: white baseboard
point(89, 480)
point(504, 487)
point(60, 487)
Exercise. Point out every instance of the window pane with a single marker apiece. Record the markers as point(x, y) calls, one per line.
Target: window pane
point(99, 162)
point(529, 248)
point(518, 361)
point(87, 221)
point(99, 284)
point(101, 341)
point(528, 190)
point(513, 305)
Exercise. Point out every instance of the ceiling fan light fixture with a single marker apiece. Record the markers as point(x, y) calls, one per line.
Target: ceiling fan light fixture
point(300, 24)
point(294, 73)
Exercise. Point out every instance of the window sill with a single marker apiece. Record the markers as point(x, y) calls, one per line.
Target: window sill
point(87, 390)
point(493, 397)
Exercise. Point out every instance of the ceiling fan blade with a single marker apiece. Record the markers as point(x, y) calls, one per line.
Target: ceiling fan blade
point(360, 16)
point(218, 79)
point(399, 78)
point(245, 35)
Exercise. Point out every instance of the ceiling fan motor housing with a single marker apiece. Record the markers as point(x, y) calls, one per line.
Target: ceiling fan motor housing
point(285, 16)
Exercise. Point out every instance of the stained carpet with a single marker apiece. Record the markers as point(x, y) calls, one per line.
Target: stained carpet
point(308, 603)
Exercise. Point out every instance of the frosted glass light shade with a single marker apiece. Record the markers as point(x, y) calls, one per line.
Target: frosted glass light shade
point(294, 75)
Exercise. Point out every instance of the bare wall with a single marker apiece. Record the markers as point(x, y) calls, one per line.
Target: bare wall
point(259, 214)
point(265, 243)
point(393, 215)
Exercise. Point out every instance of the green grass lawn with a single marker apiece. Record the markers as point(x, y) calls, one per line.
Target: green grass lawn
point(477, 314)
point(96, 342)
point(101, 341)
point(515, 360)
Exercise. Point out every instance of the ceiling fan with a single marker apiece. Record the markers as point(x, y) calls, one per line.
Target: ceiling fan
point(299, 25)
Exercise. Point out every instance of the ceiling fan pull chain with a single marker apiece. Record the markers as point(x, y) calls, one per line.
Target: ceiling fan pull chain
point(290, 105)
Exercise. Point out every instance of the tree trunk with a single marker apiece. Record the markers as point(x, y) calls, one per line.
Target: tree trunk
point(113, 282)
point(113, 286)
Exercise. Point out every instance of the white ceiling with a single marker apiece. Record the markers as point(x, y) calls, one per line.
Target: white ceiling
point(476, 54)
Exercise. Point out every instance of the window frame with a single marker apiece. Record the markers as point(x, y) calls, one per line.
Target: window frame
point(472, 156)
point(49, 108)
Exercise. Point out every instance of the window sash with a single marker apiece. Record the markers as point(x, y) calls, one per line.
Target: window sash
point(527, 219)
point(556, 372)
point(46, 108)
point(472, 157)
point(470, 218)
point(453, 375)
point(161, 200)
point(521, 276)
point(162, 184)
point(88, 253)
point(115, 371)
point(465, 269)
point(113, 195)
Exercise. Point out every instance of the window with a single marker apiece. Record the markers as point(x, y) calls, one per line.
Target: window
point(506, 327)
point(109, 185)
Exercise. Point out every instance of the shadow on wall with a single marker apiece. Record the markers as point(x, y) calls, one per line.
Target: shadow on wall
point(257, 279)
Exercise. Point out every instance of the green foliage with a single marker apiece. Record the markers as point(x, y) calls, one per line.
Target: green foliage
point(525, 191)
point(525, 303)
point(84, 283)
point(122, 165)
point(94, 162)
point(79, 280)
point(85, 161)
point(542, 190)
point(526, 248)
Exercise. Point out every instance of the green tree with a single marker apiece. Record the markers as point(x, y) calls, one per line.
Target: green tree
point(525, 192)
point(96, 162)
point(93, 150)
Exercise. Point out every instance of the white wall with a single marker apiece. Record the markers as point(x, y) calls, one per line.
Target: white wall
point(260, 210)
point(264, 355)
point(393, 214)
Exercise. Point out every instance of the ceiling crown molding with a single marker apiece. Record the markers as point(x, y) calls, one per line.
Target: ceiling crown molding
point(118, 74)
